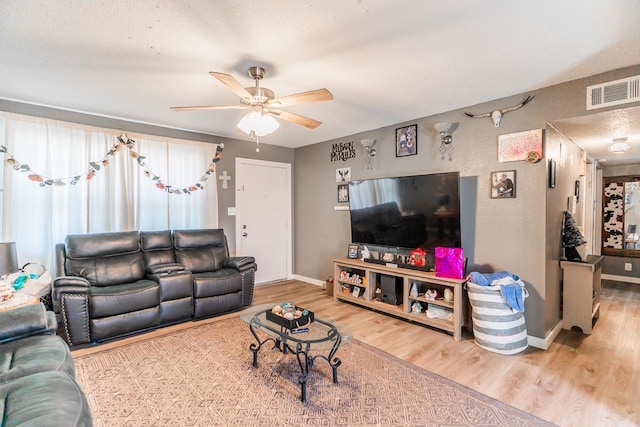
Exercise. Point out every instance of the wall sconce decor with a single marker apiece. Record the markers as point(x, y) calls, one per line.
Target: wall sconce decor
point(446, 140)
point(369, 152)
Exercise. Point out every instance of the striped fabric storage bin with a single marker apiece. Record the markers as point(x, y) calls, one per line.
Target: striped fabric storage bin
point(496, 326)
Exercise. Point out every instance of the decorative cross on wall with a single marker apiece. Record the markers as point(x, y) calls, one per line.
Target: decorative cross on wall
point(224, 178)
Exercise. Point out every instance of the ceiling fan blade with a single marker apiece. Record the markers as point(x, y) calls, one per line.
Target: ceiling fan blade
point(303, 98)
point(230, 82)
point(209, 107)
point(295, 118)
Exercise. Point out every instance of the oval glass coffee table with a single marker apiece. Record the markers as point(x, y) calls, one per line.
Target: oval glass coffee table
point(319, 339)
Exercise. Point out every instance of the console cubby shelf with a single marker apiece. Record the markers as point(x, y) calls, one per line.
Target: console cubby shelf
point(371, 273)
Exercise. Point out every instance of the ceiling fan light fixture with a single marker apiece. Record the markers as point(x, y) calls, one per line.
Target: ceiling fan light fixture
point(258, 124)
point(619, 146)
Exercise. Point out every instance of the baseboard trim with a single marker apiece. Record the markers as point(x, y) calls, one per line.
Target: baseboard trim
point(544, 343)
point(308, 280)
point(621, 278)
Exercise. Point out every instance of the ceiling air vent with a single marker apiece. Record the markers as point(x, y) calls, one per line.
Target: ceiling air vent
point(616, 92)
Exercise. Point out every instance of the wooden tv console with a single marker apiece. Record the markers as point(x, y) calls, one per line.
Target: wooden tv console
point(366, 292)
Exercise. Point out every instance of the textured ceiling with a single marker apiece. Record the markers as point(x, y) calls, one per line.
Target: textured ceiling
point(386, 62)
point(595, 132)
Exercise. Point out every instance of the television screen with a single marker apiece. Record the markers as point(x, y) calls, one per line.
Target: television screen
point(421, 211)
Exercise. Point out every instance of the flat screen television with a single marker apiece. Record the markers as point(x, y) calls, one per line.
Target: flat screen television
point(408, 212)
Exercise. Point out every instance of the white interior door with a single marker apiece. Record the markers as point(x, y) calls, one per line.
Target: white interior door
point(263, 216)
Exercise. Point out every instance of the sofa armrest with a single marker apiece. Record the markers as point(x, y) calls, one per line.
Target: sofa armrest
point(164, 268)
point(70, 300)
point(26, 321)
point(67, 285)
point(240, 263)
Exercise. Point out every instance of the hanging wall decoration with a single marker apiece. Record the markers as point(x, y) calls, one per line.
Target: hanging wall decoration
point(343, 174)
point(343, 193)
point(343, 151)
point(407, 141)
point(520, 146)
point(95, 166)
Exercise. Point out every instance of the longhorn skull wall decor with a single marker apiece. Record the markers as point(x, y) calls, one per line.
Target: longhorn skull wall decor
point(496, 115)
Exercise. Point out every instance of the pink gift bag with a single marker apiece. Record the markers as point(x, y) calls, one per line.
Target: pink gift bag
point(449, 262)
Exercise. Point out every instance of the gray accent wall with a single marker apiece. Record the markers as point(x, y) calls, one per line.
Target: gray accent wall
point(520, 235)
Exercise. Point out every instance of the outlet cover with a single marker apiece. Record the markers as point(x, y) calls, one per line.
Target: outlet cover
point(627, 266)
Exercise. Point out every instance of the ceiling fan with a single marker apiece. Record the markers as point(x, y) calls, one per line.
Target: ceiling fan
point(263, 102)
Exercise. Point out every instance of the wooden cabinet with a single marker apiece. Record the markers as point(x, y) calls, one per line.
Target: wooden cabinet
point(581, 293)
point(359, 282)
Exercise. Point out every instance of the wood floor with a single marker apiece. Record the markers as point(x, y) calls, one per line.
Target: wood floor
point(581, 380)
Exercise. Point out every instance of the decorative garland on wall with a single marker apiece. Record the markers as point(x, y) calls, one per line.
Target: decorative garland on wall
point(95, 166)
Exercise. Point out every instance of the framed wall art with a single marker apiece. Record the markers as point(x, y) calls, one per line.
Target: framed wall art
point(552, 173)
point(407, 141)
point(352, 251)
point(503, 184)
point(520, 146)
point(343, 193)
point(343, 174)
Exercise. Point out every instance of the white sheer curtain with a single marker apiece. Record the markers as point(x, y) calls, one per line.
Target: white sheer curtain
point(118, 198)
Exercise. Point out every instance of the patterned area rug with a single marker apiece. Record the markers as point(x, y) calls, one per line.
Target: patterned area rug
point(203, 376)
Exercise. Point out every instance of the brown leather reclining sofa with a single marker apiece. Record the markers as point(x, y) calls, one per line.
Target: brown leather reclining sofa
point(111, 285)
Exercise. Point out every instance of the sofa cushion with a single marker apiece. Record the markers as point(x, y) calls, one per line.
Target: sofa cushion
point(104, 259)
point(199, 238)
point(125, 298)
point(214, 283)
point(78, 246)
point(51, 399)
point(200, 250)
point(34, 354)
point(157, 248)
point(107, 271)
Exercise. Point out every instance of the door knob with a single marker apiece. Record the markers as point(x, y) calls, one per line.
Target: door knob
point(244, 234)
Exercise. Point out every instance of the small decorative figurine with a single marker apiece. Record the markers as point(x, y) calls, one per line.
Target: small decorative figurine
point(416, 308)
point(448, 294)
point(414, 290)
point(365, 253)
point(431, 294)
point(418, 257)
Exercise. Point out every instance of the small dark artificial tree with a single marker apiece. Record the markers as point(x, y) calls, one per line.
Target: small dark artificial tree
point(571, 238)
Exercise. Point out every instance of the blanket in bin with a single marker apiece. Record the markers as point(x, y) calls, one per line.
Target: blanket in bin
point(511, 287)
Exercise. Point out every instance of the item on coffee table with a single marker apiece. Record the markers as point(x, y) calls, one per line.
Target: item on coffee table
point(6, 291)
point(289, 316)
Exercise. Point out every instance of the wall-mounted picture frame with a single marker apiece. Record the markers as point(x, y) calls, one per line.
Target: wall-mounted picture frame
point(577, 191)
point(343, 174)
point(552, 173)
point(352, 251)
point(520, 146)
point(343, 193)
point(407, 141)
point(503, 184)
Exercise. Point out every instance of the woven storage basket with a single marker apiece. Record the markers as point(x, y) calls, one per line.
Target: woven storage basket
point(496, 326)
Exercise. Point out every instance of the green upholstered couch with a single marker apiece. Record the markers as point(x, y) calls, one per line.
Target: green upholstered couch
point(37, 373)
